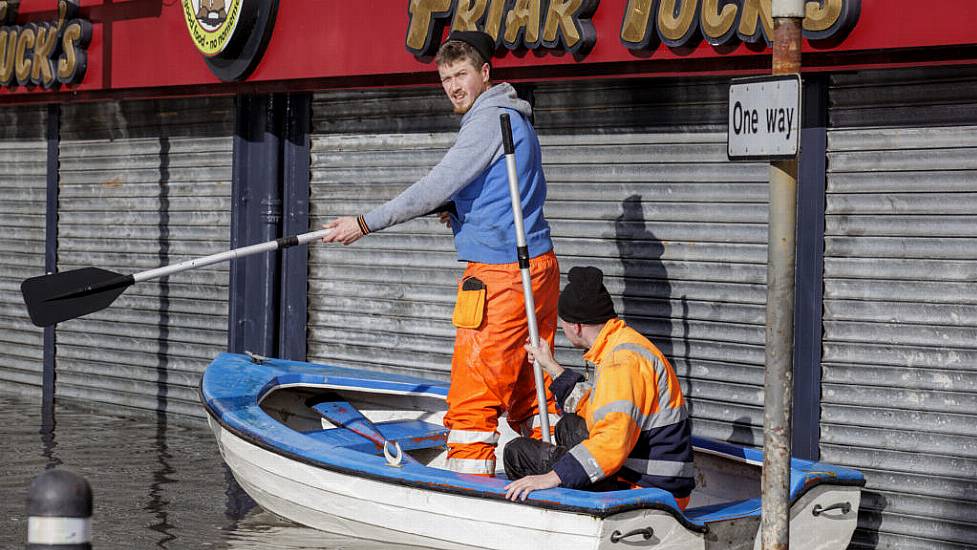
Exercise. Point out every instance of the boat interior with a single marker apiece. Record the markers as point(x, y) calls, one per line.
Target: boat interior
point(415, 423)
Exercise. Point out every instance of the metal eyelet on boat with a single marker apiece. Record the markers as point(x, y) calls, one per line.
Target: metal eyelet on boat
point(393, 460)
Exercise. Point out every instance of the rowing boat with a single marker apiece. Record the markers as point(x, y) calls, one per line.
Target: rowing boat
point(362, 454)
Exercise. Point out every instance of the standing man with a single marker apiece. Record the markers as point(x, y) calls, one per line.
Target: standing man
point(490, 370)
point(631, 429)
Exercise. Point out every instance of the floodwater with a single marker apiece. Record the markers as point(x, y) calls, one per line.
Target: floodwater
point(157, 483)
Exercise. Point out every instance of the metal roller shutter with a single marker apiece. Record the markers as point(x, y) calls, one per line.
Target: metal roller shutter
point(639, 185)
point(899, 395)
point(385, 302)
point(23, 190)
point(144, 184)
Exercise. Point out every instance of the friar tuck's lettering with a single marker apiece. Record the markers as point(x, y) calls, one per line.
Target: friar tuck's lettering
point(678, 23)
point(515, 24)
point(46, 53)
point(645, 24)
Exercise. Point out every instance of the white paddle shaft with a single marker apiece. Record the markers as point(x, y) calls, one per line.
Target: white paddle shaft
point(527, 282)
point(284, 242)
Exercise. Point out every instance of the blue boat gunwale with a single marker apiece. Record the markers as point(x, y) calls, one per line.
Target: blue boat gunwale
point(277, 374)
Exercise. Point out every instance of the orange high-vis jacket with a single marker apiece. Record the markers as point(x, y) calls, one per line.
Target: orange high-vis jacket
point(638, 424)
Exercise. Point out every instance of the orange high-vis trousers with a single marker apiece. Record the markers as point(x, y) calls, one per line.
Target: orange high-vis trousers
point(490, 370)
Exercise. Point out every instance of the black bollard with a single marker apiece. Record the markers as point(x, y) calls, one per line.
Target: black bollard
point(59, 512)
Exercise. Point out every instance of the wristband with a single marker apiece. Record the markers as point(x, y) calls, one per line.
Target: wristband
point(365, 229)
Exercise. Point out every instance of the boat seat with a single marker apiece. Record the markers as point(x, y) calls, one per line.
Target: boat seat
point(713, 513)
point(411, 434)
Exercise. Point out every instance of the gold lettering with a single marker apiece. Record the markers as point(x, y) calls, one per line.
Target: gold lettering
point(820, 17)
point(68, 63)
point(560, 21)
point(467, 14)
point(22, 63)
point(421, 27)
point(523, 19)
point(8, 44)
point(676, 20)
point(28, 52)
point(754, 12)
point(43, 70)
point(636, 26)
point(493, 22)
point(8, 11)
point(719, 20)
point(717, 25)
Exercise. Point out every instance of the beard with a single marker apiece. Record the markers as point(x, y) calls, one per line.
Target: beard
point(462, 108)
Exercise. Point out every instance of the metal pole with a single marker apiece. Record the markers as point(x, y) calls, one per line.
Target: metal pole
point(781, 254)
point(522, 251)
point(49, 376)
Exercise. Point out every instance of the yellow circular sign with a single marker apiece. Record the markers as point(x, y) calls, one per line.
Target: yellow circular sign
point(211, 23)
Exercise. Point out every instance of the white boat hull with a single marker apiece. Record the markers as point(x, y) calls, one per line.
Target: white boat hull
point(364, 508)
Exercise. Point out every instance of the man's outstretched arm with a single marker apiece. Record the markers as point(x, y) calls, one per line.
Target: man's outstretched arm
point(479, 143)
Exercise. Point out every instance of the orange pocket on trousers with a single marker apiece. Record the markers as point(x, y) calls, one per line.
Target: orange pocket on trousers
point(470, 305)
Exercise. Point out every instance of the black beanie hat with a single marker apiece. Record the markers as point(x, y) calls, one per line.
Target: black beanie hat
point(585, 299)
point(482, 42)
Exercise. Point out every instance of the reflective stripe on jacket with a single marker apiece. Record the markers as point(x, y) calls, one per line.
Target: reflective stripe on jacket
point(635, 413)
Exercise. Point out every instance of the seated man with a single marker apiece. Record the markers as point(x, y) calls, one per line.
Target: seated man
point(630, 430)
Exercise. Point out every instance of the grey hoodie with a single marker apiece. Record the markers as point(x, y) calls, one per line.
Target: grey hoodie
point(478, 146)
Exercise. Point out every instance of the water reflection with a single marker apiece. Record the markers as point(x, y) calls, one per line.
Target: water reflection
point(262, 530)
point(157, 505)
point(48, 441)
point(237, 503)
point(157, 482)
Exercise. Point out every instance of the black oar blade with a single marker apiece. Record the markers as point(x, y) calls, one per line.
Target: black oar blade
point(66, 295)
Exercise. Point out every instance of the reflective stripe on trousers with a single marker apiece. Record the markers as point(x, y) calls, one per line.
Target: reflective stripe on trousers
point(471, 466)
point(472, 451)
point(472, 436)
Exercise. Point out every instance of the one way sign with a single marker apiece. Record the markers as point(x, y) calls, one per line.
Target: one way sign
point(764, 117)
